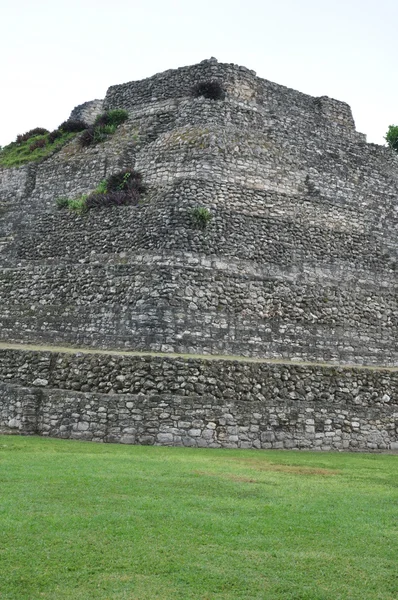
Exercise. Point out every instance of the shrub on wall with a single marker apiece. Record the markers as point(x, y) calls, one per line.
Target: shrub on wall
point(40, 143)
point(69, 126)
point(30, 134)
point(200, 217)
point(120, 189)
point(54, 135)
point(72, 126)
point(112, 199)
point(87, 137)
point(62, 203)
point(392, 137)
point(112, 117)
point(126, 180)
point(104, 126)
point(211, 89)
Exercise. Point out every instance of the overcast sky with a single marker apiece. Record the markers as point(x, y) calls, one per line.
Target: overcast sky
point(56, 54)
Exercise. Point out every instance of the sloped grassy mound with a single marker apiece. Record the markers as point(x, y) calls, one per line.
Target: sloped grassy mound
point(39, 143)
point(33, 148)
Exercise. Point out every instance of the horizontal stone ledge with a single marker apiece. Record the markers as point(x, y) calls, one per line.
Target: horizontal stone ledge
point(326, 273)
point(198, 421)
point(81, 351)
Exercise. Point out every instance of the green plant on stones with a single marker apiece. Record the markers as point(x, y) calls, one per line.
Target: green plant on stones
point(103, 131)
point(126, 180)
point(75, 204)
point(124, 183)
point(62, 203)
point(392, 137)
point(200, 216)
point(119, 189)
point(38, 144)
point(78, 204)
point(117, 116)
point(104, 126)
point(101, 188)
point(112, 117)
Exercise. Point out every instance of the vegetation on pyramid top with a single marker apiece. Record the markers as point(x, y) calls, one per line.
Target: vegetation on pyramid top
point(33, 149)
point(24, 137)
point(72, 126)
point(211, 89)
point(38, 144)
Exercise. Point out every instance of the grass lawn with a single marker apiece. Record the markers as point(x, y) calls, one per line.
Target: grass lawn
point(90, 521)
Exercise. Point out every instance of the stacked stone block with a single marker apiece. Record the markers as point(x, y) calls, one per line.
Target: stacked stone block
point(298, 262)
point(196, 402)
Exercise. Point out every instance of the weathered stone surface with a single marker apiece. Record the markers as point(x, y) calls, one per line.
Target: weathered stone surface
point(298, 263)
point(87, 112)
point(40, 382)
point(347, 406)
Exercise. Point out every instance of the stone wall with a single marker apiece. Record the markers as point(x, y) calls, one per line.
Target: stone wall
point(157, 306)
point(283, 280)
point(87, 112)
point(298, 263)
point(239, 83)
point(191, 402)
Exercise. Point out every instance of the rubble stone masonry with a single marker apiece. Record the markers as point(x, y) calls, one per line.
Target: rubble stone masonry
point(298, 264)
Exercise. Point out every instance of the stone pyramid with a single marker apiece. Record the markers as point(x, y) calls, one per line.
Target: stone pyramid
point(273, 325)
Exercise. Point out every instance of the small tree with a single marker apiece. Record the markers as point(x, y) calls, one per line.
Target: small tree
point(392, 137)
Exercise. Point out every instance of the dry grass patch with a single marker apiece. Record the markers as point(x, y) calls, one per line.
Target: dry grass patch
point(262, 465)
point(229, 476)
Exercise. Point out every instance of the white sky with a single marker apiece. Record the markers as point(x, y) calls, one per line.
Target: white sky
point(56, 54)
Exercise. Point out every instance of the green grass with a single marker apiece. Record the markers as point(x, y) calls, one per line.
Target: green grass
point(200, 216)
point(90, 521)
point(78, 204)
point(15, 155)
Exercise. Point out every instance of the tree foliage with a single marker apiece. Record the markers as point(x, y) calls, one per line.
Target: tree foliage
point(392, 137)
